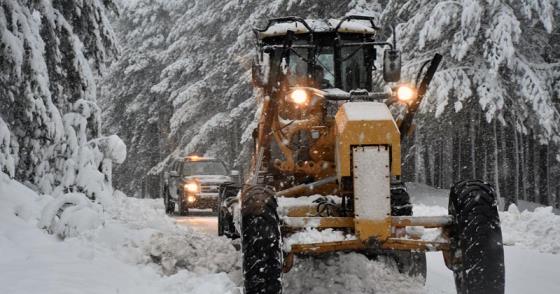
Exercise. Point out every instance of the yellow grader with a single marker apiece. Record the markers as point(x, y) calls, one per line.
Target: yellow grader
point(328, 143)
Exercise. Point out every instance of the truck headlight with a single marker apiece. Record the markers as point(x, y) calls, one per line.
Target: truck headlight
point(299, 96)
point(406, 93)
point(192, 187)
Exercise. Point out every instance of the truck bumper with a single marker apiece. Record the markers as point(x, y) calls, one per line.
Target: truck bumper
point(202, 200)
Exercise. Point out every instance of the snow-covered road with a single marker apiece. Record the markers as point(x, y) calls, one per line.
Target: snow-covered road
point(205, 224)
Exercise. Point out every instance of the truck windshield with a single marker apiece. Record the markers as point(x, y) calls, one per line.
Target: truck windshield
point(204, 168)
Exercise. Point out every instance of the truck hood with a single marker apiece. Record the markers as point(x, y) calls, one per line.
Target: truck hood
point(209, 178)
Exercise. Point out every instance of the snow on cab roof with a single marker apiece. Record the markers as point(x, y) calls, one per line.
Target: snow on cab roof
point(318, 26)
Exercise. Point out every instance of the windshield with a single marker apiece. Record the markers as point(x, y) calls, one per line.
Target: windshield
point(191, 168)
point(324, 71)
point(345, 67)
point(353, 70)
point(297, 69)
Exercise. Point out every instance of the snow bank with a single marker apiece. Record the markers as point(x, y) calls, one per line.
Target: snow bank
point(71, 214)
point(109, 248)
point(538, 230)
point(348, 273)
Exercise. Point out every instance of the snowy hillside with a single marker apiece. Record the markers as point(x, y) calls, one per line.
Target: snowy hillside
point(132, 247)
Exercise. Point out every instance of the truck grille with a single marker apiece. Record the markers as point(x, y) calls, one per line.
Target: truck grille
point(209, 188)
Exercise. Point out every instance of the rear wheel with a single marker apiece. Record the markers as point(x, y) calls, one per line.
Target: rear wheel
point(168, 203)
point(400, 201)
point(170, 208)
point(226, 224)
point(261, 238)
point(476, 239)
point(183, 209)
point(410, 263)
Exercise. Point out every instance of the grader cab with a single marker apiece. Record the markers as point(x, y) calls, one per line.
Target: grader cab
point(327, 143)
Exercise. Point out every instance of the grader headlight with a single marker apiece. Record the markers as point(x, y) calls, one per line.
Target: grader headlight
point(299, 97)
point(406, 93)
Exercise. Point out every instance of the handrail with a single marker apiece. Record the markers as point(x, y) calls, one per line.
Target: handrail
point(357, 17)
point(285, 19)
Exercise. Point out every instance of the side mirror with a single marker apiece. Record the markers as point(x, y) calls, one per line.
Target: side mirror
point(259, 70)
point(235, 176)
point(391, 65)
point(173, 174)
point(257, 75)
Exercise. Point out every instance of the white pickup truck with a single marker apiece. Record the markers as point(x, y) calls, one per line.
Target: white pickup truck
point(193, 182)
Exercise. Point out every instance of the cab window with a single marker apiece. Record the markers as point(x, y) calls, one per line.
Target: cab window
point(324, 69)
point(354, 72)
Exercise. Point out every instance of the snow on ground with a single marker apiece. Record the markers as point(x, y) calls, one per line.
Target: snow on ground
point(347, 273)
point(311, 235)
point(130, 252)
point(136, 248)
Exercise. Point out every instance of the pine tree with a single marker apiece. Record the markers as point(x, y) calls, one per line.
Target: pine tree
point(500, 61)
point(50, 55)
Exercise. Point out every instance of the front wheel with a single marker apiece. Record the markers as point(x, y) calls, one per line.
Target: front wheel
point(476, 239)
point(168, 202)
point(183, 209)
point(261, 238)
point(170, 207)
point(411, 263)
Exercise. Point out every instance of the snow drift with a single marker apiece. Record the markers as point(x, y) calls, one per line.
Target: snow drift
point(108, 248)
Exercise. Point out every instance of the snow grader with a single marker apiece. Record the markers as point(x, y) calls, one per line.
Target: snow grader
point(327, 155)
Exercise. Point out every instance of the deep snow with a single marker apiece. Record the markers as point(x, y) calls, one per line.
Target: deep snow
point(121, 255)
point(135, 248)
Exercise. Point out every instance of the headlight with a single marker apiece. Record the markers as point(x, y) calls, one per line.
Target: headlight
point(406, 93)
point(299, 96)
point(191, 199)
point(192, 187)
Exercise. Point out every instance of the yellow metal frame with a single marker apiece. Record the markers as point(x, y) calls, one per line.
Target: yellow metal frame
point(365, 132)
point(391, 242)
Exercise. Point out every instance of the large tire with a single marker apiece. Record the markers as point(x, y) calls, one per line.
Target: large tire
point(226, 226)
point(261, 242)
point(411, 263)
point(476, 239)
point(400, 201)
